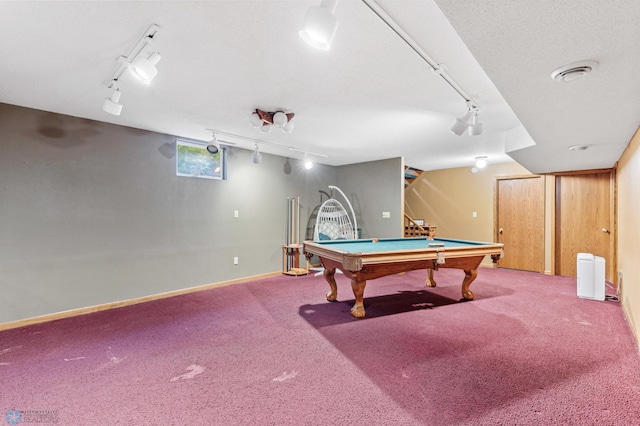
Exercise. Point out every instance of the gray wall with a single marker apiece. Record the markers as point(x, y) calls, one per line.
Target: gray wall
point(375, 187)
point(92, 213)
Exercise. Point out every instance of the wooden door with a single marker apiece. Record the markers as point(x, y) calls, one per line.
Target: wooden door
point(584, 220)
point(520, 222)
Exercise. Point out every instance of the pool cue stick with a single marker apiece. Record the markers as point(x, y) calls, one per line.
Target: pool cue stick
point(298, 231)
point(298, 221)
point(289, 263)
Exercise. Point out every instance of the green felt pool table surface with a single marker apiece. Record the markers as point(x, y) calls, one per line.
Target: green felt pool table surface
point(388, 244)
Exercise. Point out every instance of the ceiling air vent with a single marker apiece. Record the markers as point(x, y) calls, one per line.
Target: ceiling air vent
point(579, 147)
point(574, 71)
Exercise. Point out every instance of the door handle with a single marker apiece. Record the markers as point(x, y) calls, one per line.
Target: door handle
point(501, 231)
point(605, 230)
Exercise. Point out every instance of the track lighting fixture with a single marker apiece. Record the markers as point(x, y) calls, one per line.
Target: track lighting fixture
point(141, 62)
point(320, 25)
point(468, 121)
point(111, 104)
point(459, 125)
point(265, 121)
point(256, 157)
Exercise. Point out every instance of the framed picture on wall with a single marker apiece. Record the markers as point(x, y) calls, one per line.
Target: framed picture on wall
point(193, 160)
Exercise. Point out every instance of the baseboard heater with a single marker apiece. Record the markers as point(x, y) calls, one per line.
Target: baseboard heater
point(591, 283)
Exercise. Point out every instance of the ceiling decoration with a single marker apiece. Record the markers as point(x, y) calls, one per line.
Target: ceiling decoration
point(265, 121)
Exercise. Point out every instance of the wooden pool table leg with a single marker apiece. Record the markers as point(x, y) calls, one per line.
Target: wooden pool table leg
point(430, 281)
point(329, 275)
point(469, 276)
point(358, 291)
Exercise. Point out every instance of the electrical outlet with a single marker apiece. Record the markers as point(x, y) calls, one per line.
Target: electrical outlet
point(235, 260)
point(236, 213)
point(474, 214)
point(386, 215)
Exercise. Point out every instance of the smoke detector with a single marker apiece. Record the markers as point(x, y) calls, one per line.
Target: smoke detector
point(574, 71)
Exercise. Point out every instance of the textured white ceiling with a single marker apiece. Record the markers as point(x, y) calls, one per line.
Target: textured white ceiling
point(370, 97)
point(519, 43)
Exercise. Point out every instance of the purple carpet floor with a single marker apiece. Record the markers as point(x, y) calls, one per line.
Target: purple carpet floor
point(526, 351)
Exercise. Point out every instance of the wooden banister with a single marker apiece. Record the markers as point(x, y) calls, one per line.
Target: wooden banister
point(414, 229)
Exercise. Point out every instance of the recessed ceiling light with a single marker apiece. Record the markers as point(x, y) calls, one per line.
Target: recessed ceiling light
point(579, 147)
point(573, 71)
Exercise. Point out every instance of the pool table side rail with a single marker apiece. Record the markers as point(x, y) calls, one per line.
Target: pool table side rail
point(355, 261)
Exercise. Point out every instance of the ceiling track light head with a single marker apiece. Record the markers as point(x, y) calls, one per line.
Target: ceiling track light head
point(461, 124)
point(212, 147)
point(256, 157)
point(144, 68)
point(112, 105)
point(308, 164)
point(139, 51)
point(475, 128)
point(320, 25)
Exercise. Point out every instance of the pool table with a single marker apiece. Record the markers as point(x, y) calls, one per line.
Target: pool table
point(362, 260)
